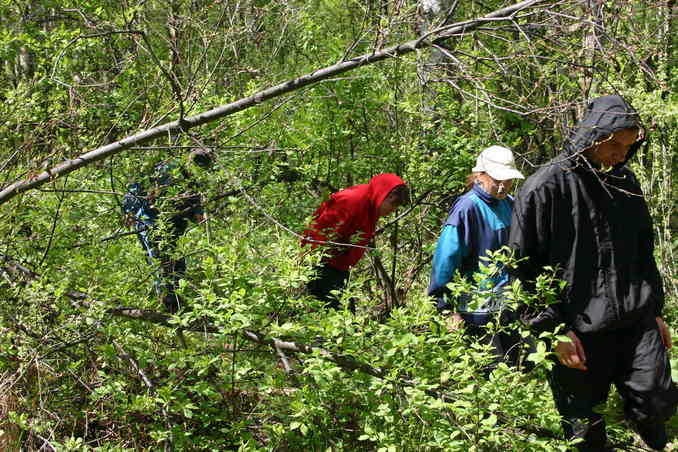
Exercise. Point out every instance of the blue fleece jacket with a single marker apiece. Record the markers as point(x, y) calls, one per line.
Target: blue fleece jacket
point(477, 222)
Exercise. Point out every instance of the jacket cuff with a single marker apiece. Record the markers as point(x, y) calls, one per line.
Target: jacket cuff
point(547, 320)
point(658, 311)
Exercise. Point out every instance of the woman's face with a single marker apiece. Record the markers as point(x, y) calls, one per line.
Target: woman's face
point(496, 188)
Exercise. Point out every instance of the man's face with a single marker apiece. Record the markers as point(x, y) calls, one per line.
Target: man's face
point(614, 149)
point(388, 205)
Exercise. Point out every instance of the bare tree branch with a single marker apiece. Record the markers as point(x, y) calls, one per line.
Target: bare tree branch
point(182, 125)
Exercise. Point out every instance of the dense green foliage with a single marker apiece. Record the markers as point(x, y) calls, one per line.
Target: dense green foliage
point(81, 372)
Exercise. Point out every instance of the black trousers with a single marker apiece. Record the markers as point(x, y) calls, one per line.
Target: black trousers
point(635, 361)
point(328, 279)
point(160, 254)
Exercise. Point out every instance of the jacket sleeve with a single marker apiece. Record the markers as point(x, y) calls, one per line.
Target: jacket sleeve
point(449, 255)
point(530, 238)
point(654, 276)
point(646, 256)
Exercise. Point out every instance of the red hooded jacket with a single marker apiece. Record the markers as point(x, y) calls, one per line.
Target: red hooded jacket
point(350, 216)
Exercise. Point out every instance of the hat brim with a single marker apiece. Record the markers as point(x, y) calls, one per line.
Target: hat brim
point(504, 173)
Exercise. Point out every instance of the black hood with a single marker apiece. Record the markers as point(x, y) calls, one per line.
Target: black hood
point(604, 116)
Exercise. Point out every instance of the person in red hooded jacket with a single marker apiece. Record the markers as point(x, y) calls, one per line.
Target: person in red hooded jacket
point(345, 225)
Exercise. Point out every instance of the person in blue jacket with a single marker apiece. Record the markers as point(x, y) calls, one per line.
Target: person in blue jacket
point(478, 222)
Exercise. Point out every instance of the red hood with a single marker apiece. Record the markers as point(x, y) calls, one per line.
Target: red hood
point(381, 185)
point(350, 216)
point(373, 192)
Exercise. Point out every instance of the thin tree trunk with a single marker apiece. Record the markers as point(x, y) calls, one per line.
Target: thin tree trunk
point(432, 14)
point(593, 41)
point(670, 37)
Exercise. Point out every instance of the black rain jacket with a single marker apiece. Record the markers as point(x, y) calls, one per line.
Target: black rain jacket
point(594, 227)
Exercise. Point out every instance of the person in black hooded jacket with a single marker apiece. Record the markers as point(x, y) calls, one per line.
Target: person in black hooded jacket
point(584, 214)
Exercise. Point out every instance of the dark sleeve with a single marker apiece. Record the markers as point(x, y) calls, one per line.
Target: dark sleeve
point(646, 254)
point(530, 238)
point(653, 276)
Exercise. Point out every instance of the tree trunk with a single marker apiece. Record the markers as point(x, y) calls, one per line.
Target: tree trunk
point(592, 47)
point(432, 14)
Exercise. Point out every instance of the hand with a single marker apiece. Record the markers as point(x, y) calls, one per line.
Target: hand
point(571, 354)
point(664, 332)
point(454, 322)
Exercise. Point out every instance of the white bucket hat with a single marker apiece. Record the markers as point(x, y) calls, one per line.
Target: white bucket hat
point(497, 161)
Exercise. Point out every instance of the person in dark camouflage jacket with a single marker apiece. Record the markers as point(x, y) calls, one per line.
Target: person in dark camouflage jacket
point(160, 213)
